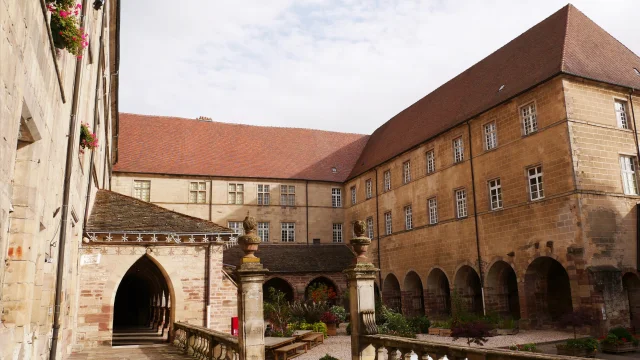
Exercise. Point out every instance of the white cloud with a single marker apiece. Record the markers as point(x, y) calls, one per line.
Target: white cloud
point(345, 65)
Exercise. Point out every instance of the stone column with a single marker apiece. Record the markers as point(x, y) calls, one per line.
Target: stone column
point(361, 276)
point(251, 275)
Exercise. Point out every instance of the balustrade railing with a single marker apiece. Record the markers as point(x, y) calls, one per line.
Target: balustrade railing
point(202, 343)
point(399, 348)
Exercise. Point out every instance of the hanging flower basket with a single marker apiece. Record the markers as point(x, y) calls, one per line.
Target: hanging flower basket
point(65, 28)
point(88, 140)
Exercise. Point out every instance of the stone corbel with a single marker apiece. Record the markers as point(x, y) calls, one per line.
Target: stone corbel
point(369, 322)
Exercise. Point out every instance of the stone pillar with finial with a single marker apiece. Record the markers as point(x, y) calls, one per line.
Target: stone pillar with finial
point(361, 275)
point(251, 275)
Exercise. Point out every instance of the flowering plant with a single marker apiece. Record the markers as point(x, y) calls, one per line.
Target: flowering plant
point(329, 318)
point(88, 140)
point(618, 336)
point(65, 27)
point(321, 292)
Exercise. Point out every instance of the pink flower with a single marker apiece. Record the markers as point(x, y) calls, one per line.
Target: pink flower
point(79, 56)
point(78, 6)
point(64, 14)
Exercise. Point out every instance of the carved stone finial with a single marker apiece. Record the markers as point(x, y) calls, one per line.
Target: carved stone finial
point(249, 241)
point(360, 242)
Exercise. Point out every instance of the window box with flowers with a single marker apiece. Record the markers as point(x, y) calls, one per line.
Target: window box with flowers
point(88, 140)
point(618, 340)
point(65, 26)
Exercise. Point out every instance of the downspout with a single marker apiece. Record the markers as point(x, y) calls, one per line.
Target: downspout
point(475, 218)
point(68, 170)
point(635, 133)
point(306, 194)
point(207, 285)
point(210, 198)
point(378, 234)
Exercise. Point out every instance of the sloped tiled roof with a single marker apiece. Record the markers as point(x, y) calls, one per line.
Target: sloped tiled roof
point(296, 258)
point(566, 42)
point(170, 145)
point(116, 212)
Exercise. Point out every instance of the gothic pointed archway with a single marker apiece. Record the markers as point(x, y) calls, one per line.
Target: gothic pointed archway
point(143, 307)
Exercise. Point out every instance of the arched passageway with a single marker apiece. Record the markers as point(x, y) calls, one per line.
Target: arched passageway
point(413, 295)
point(391, 293)
point(438, 300)
point(501, 290)
point(547, 290)
point(376, 291)
point(322, 289)
point(631, 285)
point(280, 285)
point(142, 309)
point(467, 286)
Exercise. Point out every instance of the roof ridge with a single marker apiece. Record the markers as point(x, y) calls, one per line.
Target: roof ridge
point(566, 35)
point(239, 124)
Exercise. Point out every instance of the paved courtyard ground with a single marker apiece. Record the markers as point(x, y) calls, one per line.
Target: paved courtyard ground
point(155, 352)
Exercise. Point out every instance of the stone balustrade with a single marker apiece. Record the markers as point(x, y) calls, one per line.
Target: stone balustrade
point(203, 343)
point(399, 348)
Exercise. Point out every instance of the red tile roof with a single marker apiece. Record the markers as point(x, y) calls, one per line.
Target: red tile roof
point(566, 42)
point(170, 145)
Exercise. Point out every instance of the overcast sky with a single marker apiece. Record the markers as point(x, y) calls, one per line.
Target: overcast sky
point(335, 65)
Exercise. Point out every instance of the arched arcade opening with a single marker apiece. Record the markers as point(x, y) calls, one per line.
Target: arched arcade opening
point(322, 288)
point(501, 290)
point(413, 295)
point(278, 284)
point(391, 293)
point(142, 308)
point(467, 286)
point(631, 285)
point(438, 300)
point(547, 290)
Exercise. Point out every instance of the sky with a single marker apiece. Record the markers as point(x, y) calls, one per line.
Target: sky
point(334, 65)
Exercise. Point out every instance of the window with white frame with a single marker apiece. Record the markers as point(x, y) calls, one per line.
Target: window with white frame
point(406, 172)
point(621, 114)
point(370, 227)
point(461, 203)
point(490, 136)
point(288, 232)
point(236, 194)
point(387, 223)
point(197, 192)
point(408, 218)
point(353, 195)
point(458, 150)
point(536, 191)
point(263, 231)
point(431, 161)
point(529, 118)
point(236, 226)
point(433, 210)
point(336, 197)
point(368, 187)
point(628, 171)
point(142, 189)
point(495, 194)
point(264, 194)
point(287, 195)
point(337, 233)
point(387, 180)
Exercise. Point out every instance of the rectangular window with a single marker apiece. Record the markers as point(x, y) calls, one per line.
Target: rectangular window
point(197, 192)
point(336, 197)
point(236, 194)
point(287, 195)
point(490, 136)
point(236, 226)
point(387, 223)
point(461, 203)
point(263, 231)
point(264, 195)
point(406, 171)
point(628, 169)
point(387, 180)
point(353, 195)
point(337, 233)
point(370, 227)
point(408, 218)
point(433, 211)
point(431, 161)
point(621, 114)
point(368, 189)
point(529, 118)
point(288, 232)
point(536, 191)
point(458, 150)
point(495, 194)
point(142, 189)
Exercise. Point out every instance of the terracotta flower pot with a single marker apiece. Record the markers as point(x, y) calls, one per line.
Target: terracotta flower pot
point(331, 329)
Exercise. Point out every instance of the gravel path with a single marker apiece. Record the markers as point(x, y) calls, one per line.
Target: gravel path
point(340, 346)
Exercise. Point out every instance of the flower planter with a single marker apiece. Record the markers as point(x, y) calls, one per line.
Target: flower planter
point(435, 331)
point(507, 331)
point(331, 329)
point(564, 350)
point(618, 349)
point(445, 332)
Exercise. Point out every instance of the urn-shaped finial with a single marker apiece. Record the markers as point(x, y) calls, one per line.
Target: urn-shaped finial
point(360, 242)
point(249, 241)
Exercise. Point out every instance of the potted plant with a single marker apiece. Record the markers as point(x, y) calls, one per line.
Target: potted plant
point(65, 29)
point(618, 340)
point(331, 320)
point(585, 347)
point(88, 140)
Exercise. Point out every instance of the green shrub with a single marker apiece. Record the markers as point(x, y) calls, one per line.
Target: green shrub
point(308, 312)
point(524, 347)
point(328, 357)
point(589, 344)
point(315, 327)
point(442, 324)
point(276, 309)
point(508, 323)
point(622, 333)
point(396, 325)
point(339, 312)
point(349, 329)
point(420, 324)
